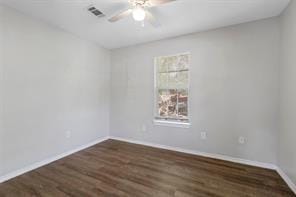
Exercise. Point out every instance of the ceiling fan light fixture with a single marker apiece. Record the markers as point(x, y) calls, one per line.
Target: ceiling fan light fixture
point(139, 13)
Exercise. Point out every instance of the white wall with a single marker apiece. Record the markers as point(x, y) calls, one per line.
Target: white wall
point(52, 82)
point(1, 83)
point(287, 132)
point(234, 91)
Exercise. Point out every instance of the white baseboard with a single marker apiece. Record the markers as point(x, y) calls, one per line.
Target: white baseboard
point(286, 179)
point(49, 160)
point(193, 152)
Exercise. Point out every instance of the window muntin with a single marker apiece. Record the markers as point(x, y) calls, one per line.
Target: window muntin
point(171, 88)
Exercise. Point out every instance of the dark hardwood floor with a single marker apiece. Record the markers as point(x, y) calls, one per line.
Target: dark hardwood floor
point(114, 168)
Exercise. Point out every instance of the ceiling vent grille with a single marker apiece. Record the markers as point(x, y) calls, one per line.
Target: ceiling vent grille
point(95, 11)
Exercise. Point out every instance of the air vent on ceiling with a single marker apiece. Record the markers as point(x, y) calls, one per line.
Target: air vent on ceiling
point(95, 11)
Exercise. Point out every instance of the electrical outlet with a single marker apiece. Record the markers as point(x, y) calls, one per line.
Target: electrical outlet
point(203, 135)
point(241, 140)
point(68, 134)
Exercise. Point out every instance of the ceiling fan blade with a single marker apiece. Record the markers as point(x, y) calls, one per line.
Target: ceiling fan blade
point(159, 2)
point(152, 20)
point(120, 15)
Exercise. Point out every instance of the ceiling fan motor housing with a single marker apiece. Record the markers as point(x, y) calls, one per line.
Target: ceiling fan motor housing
point(136, 3)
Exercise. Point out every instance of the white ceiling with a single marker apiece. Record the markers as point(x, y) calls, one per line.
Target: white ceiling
point(177, 18)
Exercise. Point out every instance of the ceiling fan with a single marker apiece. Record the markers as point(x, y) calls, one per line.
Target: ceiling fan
point(139, 9)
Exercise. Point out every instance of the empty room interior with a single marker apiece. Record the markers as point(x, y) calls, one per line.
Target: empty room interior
point(142, 98)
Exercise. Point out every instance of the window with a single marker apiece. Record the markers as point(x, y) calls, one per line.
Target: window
point(171, 89)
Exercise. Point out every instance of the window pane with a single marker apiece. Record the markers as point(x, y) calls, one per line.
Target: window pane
point(172, 79)
point(162, 80)
point(172, 63)
point(183, 104)
point(177, 63)
point(162, 66)
point(167, 103)
point(183, 61)
point(178, 80)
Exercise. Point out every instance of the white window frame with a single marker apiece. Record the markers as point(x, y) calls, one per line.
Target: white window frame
point(170, 123)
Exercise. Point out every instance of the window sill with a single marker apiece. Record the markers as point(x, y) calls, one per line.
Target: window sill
point(185, 125)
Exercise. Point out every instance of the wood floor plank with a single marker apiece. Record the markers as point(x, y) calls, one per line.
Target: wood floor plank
point(114, 168)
